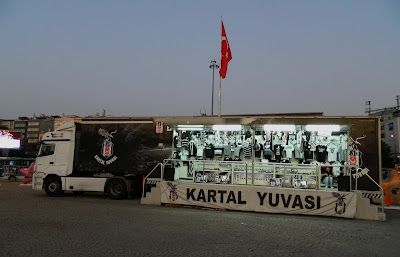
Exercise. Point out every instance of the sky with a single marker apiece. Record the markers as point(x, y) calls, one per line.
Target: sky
point(151, 58)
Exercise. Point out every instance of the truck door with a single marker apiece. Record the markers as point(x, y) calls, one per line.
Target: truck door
point(46, 158)
point(61, 158)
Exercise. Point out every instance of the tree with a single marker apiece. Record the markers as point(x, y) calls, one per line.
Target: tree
point(386, 153)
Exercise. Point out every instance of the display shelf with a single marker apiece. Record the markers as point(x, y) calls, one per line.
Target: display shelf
point(267, 174)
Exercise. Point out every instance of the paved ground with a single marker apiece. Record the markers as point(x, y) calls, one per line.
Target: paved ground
point(32, 224)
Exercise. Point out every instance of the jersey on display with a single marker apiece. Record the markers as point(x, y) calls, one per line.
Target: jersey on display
point(308, 154)
point(332, 152)
point(278, 152)
point(209, 151)
point(289, 151)
point(321, 153)
point(247, 151)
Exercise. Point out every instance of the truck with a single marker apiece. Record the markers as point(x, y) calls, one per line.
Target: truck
point(100, 155)
point(114, 154)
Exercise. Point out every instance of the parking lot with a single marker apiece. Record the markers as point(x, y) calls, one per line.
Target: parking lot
point(32, 224)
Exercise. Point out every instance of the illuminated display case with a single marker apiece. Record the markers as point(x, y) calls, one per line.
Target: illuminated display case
point(285, 151)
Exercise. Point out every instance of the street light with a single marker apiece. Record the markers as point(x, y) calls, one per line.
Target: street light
point(213, 66)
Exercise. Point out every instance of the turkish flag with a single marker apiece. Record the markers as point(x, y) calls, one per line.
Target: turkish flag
point(226, 55)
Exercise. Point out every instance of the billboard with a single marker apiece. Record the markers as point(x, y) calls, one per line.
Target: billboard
point(10, 139)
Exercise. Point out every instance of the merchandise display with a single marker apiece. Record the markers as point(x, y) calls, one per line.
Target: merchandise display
point(271, 148)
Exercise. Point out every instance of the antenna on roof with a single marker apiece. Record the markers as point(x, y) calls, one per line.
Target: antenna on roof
point(205, 112)
point(368, 109)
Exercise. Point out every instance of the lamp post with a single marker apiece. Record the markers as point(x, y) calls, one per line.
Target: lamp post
point(213, 66)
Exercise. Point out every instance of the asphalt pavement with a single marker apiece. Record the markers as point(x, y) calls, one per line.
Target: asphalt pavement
point(32, 224)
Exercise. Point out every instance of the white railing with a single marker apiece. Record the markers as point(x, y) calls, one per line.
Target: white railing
point(376, 183)
point(145, 178)
point(240, 170)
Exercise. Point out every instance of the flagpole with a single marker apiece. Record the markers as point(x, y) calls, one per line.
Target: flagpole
point(220, 63)
point(219, 101)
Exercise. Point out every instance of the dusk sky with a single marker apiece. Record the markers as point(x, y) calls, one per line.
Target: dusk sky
point(151, 58)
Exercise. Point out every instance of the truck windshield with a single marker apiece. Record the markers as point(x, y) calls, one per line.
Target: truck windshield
point(47, 149)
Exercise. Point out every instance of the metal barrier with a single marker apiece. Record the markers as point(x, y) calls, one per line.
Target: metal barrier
point(377, 184)
point(13, 169)
point(380, 189)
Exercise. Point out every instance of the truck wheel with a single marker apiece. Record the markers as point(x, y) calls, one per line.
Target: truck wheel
point(116, 189)
point(53, 187)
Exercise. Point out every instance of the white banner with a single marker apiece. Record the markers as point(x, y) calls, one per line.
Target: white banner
point(261, 199)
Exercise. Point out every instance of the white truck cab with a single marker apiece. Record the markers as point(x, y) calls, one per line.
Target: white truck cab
point(55, 159)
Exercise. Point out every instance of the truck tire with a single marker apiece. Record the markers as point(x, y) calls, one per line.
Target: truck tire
point(53, 187)
point(116, 189)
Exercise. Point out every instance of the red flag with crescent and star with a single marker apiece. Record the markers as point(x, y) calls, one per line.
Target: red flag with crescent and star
point(226, 55)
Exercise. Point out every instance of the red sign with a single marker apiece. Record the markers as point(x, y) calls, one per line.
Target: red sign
point(159, 127)
point(353, 160)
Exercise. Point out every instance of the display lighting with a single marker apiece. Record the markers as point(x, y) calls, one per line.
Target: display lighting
point(190, 127)
point(323, 128)
point(279, 127)
point(227, 127)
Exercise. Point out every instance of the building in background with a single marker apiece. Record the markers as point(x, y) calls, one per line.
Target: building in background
point(9, 124)
point(390, 127)
point(32, 130)
point(20, 125)
point(36, 127)
point(63, 119)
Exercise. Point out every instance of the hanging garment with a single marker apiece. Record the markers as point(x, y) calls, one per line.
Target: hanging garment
point(200, 151)
point(209, 151)
point(257, 150)
point(289, 151)
point(247, 151)
point(298, 152)
point(308, 154)
point(184, 154)
point(332, 152)
point(237, 151)
point(344, 141)
point(185, 142)
point(278, 152)
point(267, 154)
point(321, 153)
point(192, 148)
point(227, 150)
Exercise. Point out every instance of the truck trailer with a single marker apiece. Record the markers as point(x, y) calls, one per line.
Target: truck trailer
point(100, 155)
